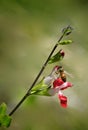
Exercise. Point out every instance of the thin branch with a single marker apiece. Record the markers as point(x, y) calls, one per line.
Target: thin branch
point(39, 74)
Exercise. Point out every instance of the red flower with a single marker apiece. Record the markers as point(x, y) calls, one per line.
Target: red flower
point(59, 85)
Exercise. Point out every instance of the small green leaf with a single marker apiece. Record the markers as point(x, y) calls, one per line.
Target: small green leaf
point(42, 92)
point(57, 57)
point(65, 42)
point(5, 119)
point(40, 89)
point(67, 30)
point(37, 86)
point(3, 109)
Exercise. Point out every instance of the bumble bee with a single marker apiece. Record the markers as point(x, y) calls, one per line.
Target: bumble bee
point(62, 74)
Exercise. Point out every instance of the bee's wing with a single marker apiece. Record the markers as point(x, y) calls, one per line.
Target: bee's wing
point(70, 75)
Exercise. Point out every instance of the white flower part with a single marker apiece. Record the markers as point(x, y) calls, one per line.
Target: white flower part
point(63, 85)
point(57, 89)
point(48, 80)
point(60, 93)
point(52, 91)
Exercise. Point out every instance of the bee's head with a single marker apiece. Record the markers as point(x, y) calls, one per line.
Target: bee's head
point(56, 69)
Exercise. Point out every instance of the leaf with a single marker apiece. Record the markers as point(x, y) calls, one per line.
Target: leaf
point(65, 42)
point(3, 108)
point(40, 89)
point(42, 92)
point(67, 30)
point(38, 86)
point(5, 119)
point(57, 57)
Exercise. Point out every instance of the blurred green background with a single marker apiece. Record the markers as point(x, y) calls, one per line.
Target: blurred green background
point(28, 31)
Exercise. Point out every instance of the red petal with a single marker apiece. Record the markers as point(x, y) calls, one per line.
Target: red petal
point(57, 82)
point(63, 100)
point(68, 84)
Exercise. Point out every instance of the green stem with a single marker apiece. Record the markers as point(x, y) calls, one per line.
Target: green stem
point(39, 74)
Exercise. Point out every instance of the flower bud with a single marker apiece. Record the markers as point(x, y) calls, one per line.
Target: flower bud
point(62, 53)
